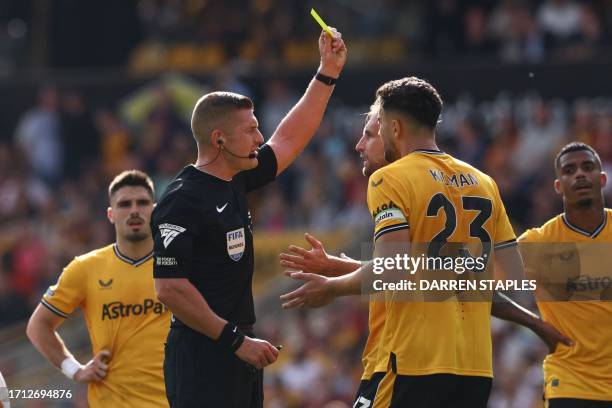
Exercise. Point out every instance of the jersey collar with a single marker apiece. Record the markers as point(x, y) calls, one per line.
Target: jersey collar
point(584, 232)
point(428, 151)
point(133, 262)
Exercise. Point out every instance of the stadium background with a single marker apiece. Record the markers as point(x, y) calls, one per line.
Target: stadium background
point(90, 89)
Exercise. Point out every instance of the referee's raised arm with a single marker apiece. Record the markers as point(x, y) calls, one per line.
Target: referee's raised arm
point(203, 242)
point(297, 128)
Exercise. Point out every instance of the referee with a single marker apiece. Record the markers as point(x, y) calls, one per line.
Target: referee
point(203, 241)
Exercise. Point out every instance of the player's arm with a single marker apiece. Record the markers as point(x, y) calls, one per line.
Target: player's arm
point(42, 332)
point(391, 233)
point(316, 260)
point(318, 291)
point(297, 128)
point(506, 309)
point(509, 265)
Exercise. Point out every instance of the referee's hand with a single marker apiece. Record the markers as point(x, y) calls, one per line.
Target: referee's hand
point(257, 352)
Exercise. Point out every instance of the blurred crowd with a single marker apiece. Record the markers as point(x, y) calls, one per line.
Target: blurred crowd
point(511, 30)
point(155, 35)
point(272, 34)
point(56, 164)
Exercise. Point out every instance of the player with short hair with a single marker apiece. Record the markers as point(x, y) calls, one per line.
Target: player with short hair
point(316, 260)
point(125, 320)
point(579, 376)
point(204, 241)
point(425, 196)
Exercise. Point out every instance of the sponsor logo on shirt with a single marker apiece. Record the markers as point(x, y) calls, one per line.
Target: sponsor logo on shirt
point(169, 232)
point(235, 244)
point(165, 261)
point(50, 292)
point(115, 310)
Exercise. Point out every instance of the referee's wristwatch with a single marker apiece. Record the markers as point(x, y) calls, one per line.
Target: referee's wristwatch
point(327, 80)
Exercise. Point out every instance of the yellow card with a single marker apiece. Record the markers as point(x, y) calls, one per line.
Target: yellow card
point(319, 20)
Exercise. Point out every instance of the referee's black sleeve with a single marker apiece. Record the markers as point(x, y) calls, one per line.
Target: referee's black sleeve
point(265, 172)
point(174, 232)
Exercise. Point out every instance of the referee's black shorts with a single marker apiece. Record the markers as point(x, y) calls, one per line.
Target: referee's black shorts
point(200, 373)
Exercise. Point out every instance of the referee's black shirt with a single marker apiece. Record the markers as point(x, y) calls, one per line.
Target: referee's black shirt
point(202, 231)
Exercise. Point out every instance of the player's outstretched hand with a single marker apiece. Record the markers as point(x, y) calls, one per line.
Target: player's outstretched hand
point(333, 53)
point(95, 370)
point(257, 352)
point(315, 292)
point(314, 260)
point(551, 336)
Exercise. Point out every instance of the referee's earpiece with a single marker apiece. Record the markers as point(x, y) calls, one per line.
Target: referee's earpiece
point(220, 142)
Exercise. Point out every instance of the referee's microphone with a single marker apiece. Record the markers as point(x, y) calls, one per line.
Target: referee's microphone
point(250, 155)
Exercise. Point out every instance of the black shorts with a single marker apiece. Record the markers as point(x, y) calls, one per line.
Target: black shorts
point(200, 373)
point(367, 390)
point(576, 403)
point(433, 391)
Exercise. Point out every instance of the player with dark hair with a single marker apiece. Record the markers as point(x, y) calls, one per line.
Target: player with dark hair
point(425, 196)
point(204, 241)
point(114, 289)
point(579, 376)
point(316, 260)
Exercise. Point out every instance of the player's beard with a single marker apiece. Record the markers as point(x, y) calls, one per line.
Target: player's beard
point(391, 153)
point(137, 236)
point(367, 169)
point(585, 202)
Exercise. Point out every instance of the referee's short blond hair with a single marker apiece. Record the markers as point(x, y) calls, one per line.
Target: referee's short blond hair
point(211, 112)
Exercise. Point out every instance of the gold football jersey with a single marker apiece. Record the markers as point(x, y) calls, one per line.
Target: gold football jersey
point(376, 323)
point(584, 370)
point(440, 199)
point(124, 316)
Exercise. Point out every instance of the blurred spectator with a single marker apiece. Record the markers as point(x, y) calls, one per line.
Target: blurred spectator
point(162, 122)
point(560, 21)
point(38, 135)
point(478, 43)
point(301, 375)
point(516, 31)
point(115, 142)
point(542, 134)
point(279, 99)
point(445, 35)
point(81, 141)
point(13, 307)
